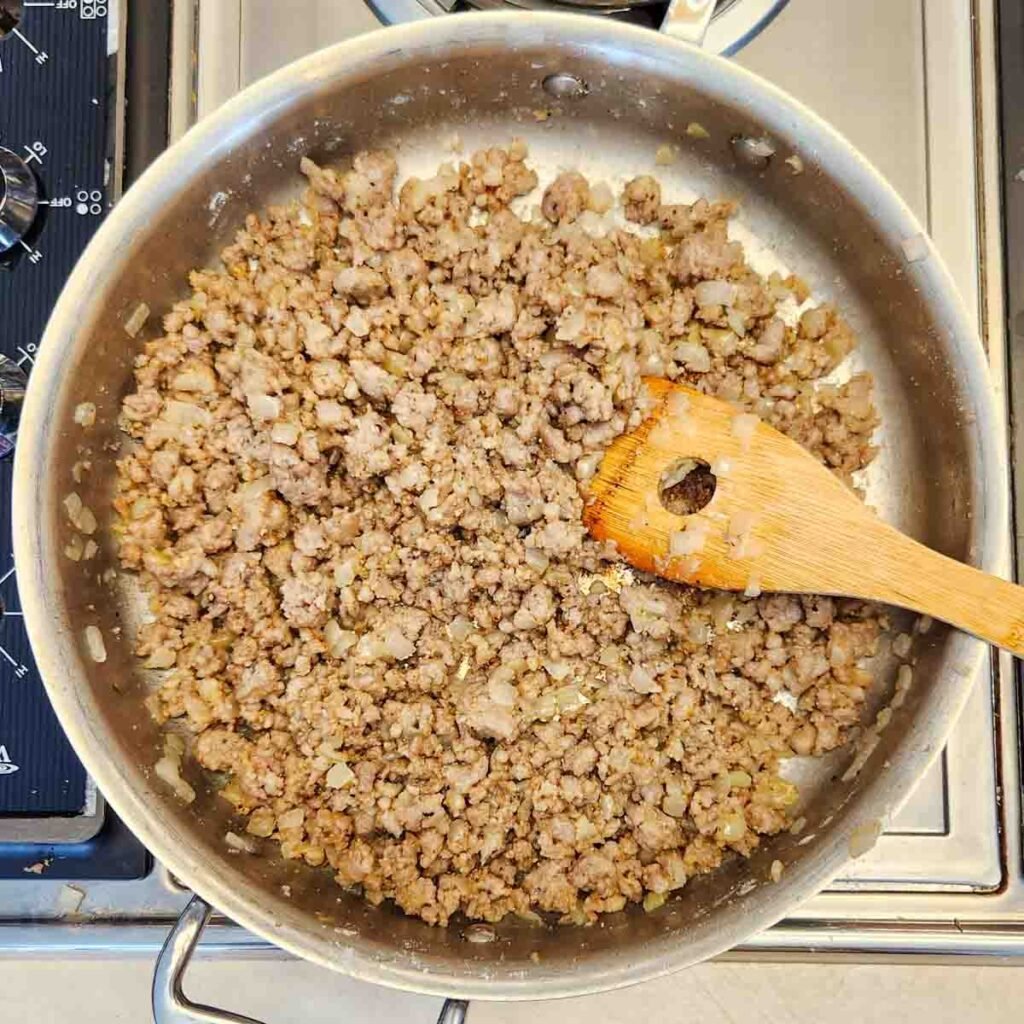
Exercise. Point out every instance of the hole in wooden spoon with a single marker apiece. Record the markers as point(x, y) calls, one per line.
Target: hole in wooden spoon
point(687, 486)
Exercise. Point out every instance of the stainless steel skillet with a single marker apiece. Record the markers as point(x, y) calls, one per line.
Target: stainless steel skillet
point(612, 95)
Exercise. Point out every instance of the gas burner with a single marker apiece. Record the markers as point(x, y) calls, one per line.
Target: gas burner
point(733, 24)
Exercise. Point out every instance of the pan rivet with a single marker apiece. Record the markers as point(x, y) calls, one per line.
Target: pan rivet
point(565, 86)
point(752, 150)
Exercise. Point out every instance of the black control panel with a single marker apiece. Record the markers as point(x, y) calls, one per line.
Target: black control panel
point(58, 100)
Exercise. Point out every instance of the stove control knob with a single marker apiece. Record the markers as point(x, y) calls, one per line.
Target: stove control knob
point(13, 381)
point(19, 199)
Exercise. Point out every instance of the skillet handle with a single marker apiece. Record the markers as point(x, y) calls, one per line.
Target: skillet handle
point(172, 1006)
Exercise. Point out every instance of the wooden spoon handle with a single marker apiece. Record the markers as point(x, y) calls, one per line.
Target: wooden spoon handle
point(909, 574)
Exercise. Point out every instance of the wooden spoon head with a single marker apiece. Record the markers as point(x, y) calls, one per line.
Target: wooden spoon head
point(774, 521)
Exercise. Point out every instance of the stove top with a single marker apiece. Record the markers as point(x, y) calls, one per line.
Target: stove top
point(915, 88)
point(734, 23)
point(59, 162)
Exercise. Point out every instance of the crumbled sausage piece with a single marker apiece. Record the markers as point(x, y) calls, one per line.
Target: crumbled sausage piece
point(641, 200)
point(355, 499)
point(566, 197)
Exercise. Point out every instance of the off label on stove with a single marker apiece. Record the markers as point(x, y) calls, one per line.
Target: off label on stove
point(7, 766)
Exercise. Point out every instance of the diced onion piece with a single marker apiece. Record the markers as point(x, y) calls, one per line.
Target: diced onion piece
point(73, 505)
point(261, 822)
point(697, 131)
point(760, 148)
point(345, 573)
point(196, 377)
point(85, 414)
point(570, 698)
point(250, 492)
point(570, 324)
point(796, 163)
point(480, 934)
point(168, 768)
point(502, 692)
point(904, 677)
point(398, 646)
point(239, 843)
point(737, 322)
point(740, 534)
point(558, 670)
point(694, 357)
point(94, 644)
point(137, 320)
point(739, 779)
point(677, 404)
point(787, 699)
point(601, 198)
point(460, 628)
point(184, 414)
point(675, 805)
point(339, 775)
point(162, 657)
point(91, 547)
point(775, 872)
point(642, 681)
point(732, 827)
point(901, 645)
point(753, 588)
point(284, 433)
point(715, 293)
point(690, 541)
point(587, 466)
point(665, 154)
point(653, 901)
point(264, 407)
point(86, 521)
point(74, 548)
point(291, 819)
point(743, 426)
point(338, 640)
point(536, 559)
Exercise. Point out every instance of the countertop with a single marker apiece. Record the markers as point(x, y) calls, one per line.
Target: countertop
point(289, 992)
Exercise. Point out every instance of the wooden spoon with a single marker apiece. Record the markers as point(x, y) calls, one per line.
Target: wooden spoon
point(778, 521)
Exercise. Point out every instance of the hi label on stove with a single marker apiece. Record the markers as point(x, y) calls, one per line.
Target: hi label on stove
point(7, 766)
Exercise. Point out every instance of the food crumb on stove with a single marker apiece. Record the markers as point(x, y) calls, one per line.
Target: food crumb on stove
point(69, 900)
point(354, 499)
